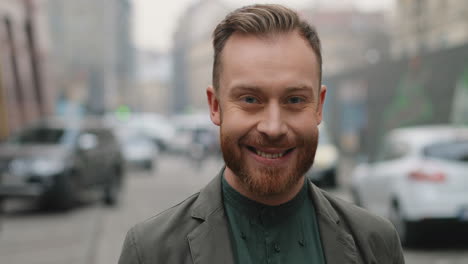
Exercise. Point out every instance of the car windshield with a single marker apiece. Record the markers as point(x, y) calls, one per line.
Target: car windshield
point(40, 135)
point(454, 150)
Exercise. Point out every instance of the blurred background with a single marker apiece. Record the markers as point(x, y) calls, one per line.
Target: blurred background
point(104, 100)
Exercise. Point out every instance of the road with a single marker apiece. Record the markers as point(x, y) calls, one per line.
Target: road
point(93, 233)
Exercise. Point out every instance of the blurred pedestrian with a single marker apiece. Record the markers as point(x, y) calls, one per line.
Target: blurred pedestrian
point(267, 99)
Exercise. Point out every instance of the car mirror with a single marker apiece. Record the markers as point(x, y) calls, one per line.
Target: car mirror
point(87, 141)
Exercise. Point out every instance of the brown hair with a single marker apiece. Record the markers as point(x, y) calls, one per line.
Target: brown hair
point(262, 20)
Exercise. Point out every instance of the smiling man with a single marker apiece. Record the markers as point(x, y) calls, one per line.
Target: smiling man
point(267, 99)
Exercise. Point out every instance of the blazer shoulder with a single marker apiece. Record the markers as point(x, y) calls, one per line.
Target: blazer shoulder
point(372, 233)
point(357, 215)
point(168, 220)
point(159, 236)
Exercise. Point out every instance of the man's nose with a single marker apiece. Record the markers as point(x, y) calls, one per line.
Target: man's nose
point(272, 124)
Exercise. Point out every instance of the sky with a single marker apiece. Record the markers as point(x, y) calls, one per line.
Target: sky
point(155, 20)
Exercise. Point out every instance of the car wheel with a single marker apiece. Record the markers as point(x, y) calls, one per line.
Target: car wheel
point(112, 188)
point(406, 229)
point(64, 196)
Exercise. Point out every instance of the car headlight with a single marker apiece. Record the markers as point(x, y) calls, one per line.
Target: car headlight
point(47, 166)
point(19, 167)
point(43, 167)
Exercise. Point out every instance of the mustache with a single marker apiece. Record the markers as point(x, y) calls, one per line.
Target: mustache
point(263, 141)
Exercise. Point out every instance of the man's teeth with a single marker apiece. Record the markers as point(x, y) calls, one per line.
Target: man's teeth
point(270, 156)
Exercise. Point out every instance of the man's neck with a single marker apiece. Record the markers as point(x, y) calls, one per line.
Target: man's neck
point(271, 200)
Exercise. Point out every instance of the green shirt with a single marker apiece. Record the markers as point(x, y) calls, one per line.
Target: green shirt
point(287, 233)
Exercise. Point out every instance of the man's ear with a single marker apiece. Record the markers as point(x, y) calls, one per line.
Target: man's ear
point(213, 103)
point(321, 102)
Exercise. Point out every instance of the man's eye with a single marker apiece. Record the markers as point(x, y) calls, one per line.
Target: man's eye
point(295, 100)
point(249, 100)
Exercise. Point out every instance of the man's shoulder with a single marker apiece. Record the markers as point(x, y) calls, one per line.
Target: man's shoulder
point(167, 228)
point(357, 216)
point(161, 237)
point(371, 233)
point(169, 220)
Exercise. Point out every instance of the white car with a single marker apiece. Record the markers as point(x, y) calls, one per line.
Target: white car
point(153, 126)
point(138, 149)
point(324, 170)
point(420, 176)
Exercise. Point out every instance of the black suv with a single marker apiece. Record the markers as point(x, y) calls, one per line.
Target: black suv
point(57, 161)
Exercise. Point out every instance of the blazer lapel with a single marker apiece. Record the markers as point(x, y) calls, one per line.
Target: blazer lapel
point(338, 245)
point(210, 241)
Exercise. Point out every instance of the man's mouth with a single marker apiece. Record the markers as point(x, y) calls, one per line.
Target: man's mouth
point(276, 154)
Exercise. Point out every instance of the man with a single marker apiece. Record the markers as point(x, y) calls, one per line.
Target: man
point(267, 99)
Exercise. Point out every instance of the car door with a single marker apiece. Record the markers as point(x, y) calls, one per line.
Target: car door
point(383, 175)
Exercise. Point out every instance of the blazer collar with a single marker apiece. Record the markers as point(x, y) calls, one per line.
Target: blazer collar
point(338, 245)
point(210, 198)
point(210, 243)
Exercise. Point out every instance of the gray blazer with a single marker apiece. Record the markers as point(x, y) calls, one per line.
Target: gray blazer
point(196, 231)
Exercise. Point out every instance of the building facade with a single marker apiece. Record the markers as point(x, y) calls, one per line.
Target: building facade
point(350, 38)
point(193, 54)
point(153, 82)
point(428, 25)
point(24, 91)
point(93, 53)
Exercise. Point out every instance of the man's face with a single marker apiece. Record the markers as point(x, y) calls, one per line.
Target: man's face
point(268, 107)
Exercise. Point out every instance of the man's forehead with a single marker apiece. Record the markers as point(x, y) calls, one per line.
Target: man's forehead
point(273, 55)
point(239, 44)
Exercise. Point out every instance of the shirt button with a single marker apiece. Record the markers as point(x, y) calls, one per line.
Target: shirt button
point(277, 248)
point(301, 242)
point(243, 236)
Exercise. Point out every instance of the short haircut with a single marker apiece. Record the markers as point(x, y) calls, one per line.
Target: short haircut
point(262, 20)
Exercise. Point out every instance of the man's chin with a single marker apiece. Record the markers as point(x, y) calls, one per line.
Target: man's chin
point(269, 181)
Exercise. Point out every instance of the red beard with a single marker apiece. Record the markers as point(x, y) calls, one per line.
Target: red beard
point(268, 180)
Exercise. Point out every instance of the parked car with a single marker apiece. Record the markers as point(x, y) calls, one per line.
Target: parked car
point(191, 131)
point(138, 149)
point(57, 161)
point(152, 125)
point(181, 142)
point(419, 177)
point(323, 172)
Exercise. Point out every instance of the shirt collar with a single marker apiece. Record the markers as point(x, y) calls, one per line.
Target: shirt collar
point(261, 213)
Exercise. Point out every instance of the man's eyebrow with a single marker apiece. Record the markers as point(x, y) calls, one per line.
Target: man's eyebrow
point(245, 88)
point(301, 88)
point(288, 89)
point(255, 89)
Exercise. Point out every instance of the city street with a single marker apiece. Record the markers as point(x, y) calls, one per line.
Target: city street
point(93, 233)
